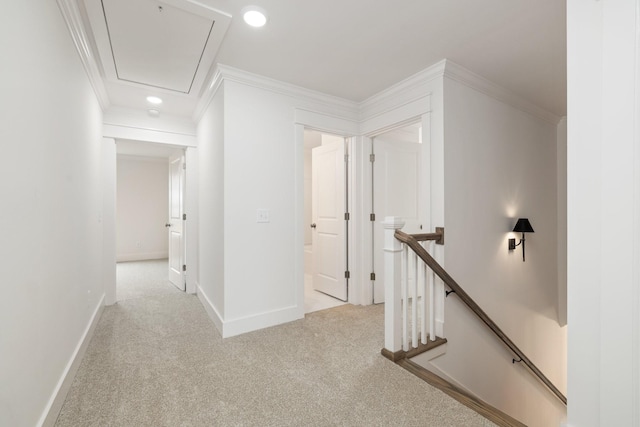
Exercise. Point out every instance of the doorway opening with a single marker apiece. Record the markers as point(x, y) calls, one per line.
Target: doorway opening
point(326, 218)
point(150, 243)
point(398, 183)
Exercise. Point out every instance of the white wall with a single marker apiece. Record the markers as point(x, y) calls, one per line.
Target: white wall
point(259, 137)
point(142, 208)
point(603, 204)
point(211, 197)
point(51, 254)
point(251, 151)
point(500, 164)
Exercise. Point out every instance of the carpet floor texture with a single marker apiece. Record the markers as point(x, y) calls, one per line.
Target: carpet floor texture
point(156, 359)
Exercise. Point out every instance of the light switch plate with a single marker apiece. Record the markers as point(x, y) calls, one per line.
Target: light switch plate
point(263, 215)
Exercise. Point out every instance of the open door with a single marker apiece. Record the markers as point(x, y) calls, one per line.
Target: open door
point(176, 221)
point(396, 189)
point(329, 224)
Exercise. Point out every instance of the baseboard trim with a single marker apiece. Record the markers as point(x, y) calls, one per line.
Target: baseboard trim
point(241, 325)
point(489, 412)
point(215, 316)
point(263, 320)
point(142, 256)
point(52, 410)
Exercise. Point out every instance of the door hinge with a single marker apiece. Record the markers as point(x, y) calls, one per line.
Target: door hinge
point(184, 166)
point(372, 158)
point(347, 274)
point(373, 276)
point(372, 217)
point(184, 217)
point(184, 267)
point(347, 217)
point(346, 158)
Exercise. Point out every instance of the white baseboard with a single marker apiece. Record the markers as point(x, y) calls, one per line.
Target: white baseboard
point(209, 308)
point(143, 256)
point(261, 320)
point(51, 411)
point(233, 327)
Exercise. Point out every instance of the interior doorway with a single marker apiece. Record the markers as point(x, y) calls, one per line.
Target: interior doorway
point(398, 184)
point(326, 220)
point(150, 183)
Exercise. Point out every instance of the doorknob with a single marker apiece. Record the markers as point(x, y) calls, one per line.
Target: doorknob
point(313, 225)
point(167, 225)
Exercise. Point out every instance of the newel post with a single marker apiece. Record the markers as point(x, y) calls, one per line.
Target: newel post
point(392, 277)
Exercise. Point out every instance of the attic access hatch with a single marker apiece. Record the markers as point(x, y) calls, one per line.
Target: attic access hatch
point(169, 44)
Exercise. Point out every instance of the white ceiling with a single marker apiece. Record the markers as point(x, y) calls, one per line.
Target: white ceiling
point(351, 49)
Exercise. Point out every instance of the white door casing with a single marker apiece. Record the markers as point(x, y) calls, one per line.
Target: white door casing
point(176, 221)
point(328, 219)
point(397, 174)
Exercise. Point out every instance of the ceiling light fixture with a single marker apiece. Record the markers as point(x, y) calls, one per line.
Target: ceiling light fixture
point(153, 113)
point(254, 16)
point(154, 100)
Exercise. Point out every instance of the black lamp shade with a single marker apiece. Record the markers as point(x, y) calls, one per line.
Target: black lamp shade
point(523, 226)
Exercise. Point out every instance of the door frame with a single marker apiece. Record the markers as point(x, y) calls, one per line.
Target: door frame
point(423, 202)
point(335, 126)
point(426, 199)
point(190, 203)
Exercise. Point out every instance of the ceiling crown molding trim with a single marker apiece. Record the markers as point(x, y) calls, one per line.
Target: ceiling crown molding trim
point(334, 104)
point(75, 24)
point(213, 83)
point(474, 81)
point(402, 93)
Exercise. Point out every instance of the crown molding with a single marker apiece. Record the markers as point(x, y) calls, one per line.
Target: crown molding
point(213, 84)
point(404, 92)
point(338, 106)
point(75, 24)
point(410, 91)
point(474, 81)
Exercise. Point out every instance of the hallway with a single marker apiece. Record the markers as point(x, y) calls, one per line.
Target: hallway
point(157, 360)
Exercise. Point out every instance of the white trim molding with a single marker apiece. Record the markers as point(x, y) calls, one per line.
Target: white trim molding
point(328, 104)
point(468, 78)
point(211, 310)
point(84, 45)
point(51, 411)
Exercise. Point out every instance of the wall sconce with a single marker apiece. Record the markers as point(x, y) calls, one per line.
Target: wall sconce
point(522, 226)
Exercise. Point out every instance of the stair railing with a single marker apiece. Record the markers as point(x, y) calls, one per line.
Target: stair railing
point(411, 306)
point(398, 321)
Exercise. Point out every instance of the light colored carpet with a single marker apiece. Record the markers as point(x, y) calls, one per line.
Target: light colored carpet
point(157, 360)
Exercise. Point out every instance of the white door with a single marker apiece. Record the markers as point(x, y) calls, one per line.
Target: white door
point(328, 207)
point(176, 221)
point(396, 192)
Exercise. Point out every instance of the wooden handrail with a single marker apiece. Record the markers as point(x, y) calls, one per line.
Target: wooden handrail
point(453, 285)
point(438, 236)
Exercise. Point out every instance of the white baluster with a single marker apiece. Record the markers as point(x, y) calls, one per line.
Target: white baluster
point(414, 303)
point(423, 305)
point(405, 298)
point(432, 299)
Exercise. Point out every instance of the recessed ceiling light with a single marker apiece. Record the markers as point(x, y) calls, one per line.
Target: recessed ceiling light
point(254, 16)
point(154, 100)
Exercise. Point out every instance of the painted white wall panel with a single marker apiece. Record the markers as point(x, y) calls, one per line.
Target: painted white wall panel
point(603, 213)
point(500, 164)
point(50, 185)
point(259, 137)
point(211, 225)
